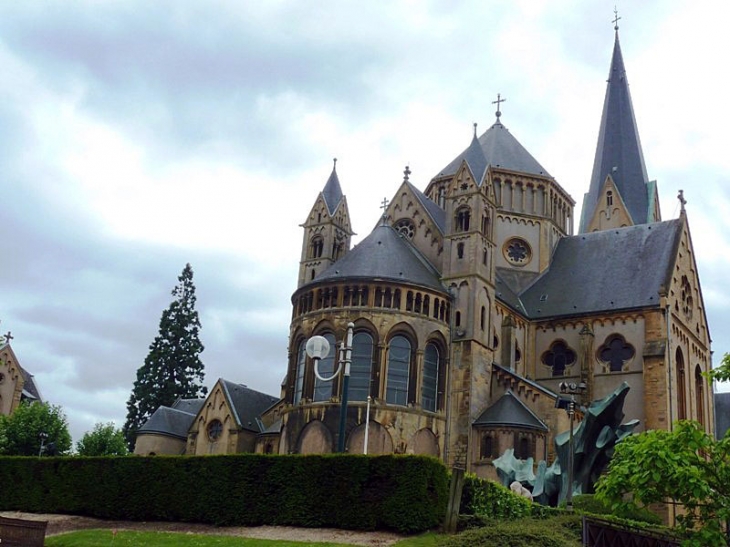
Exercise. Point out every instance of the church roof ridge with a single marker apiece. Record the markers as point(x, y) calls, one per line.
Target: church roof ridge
point(510, 411)
point(618, 149)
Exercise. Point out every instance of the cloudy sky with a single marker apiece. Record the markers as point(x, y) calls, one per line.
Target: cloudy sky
point(138, 136)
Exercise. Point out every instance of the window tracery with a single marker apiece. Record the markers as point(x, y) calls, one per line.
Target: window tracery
point(558, 357)
point(616, 352)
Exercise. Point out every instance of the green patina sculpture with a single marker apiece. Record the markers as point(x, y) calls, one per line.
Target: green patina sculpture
point(593, 440)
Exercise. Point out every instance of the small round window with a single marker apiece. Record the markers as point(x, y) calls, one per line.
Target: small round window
point(215, 430)
point(405, 227)
point(517, 251)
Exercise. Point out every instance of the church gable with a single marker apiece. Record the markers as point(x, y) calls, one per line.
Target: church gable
point(409, 216)
point(610, 210)
point(11, 380)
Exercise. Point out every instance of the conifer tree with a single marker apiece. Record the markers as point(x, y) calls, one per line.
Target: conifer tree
point(172, 368)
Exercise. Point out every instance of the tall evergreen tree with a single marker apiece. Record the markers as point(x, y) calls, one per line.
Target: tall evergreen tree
point(172, 368)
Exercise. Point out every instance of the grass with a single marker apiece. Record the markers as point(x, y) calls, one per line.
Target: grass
point(103, 538)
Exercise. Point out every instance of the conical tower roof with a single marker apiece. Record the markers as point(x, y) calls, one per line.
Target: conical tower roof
point(498, 148)
point(332, 192)
point(618, 152)
point(384, 255)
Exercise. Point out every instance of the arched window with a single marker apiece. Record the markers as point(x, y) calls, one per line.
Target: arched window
point(429, 387)
point(609, 197)
point(316, 247)
point(463, 216)
point(681, 380)
point(700, 394)
point(299, 372)
point(460, 250)
point(362, 366)
point(559, 356)
point(616, 352)
point(483, 317)
point(488, 447)
point(323, 390)
point(399, 360)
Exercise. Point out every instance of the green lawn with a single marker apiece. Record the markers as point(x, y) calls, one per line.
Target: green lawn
point(101, 538)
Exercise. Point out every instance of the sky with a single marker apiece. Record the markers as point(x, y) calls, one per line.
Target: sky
point(139, 136)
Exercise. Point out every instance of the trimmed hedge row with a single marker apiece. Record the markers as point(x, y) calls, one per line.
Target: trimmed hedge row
point(403, 493)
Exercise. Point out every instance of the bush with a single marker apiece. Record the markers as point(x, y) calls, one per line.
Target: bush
point(491, 499)
point(403, 493)
point(589, 503)
point(563, 531)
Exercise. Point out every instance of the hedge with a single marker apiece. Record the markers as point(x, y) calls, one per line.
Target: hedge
point(402, 493)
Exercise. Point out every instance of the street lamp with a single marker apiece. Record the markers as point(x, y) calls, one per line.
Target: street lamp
point(318, 348)
point(571, 389)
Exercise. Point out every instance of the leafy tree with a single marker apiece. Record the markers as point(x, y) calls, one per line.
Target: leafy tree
point(104, 440)
point(721, 373)
point(172, 368)
point(22, 432)
point(685, 466)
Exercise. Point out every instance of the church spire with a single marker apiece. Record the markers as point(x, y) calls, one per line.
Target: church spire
point(618, 152)
point(332, 191)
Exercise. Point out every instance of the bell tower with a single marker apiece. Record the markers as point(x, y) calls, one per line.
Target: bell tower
point(327, 231)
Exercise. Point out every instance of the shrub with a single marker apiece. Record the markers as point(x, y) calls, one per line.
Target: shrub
point(488, 498)
point(563, 531)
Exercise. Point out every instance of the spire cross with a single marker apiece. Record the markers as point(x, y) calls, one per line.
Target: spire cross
point(497, 102)
point(681, 199)
point(406, 173)
point(616, 18)
point(384, 205)
point(8, 337)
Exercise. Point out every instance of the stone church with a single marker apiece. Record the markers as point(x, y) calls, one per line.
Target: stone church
point(471, 300)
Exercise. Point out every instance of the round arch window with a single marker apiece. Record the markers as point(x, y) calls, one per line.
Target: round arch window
point(405, 227)
point(517, 251)
point(215, 430)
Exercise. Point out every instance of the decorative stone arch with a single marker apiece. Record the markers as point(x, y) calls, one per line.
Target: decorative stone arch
point(379, 440)
point(395, 372)
point(423, 442)
point(437, 339)
point(325, 325)
point(315, 438)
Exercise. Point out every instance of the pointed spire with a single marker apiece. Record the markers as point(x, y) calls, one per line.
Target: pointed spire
point(332, 192)
point(618, 152)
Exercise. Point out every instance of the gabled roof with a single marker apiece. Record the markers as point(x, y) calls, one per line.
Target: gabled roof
point(30, 389)
point(499, 149)
point(383, 255)
point(511, 412)
point(168, 421)
point(437, 214)
point(618, 152)
point(247, 404)
point(624, 268)
point(332, 192)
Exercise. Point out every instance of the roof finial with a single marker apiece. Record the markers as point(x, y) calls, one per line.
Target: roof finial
point(497, 102)
point(384, 207)
point(406, 173)
point(616, 19)
point(682, 201)
point(334, 162)
point(8, 337)
point(475, 130)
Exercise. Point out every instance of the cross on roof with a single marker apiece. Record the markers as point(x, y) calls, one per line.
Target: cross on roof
point(498, 102)
point(406, 173)
point(616, 18)
point(384, 205)
point(8, 337)
point(681, 199)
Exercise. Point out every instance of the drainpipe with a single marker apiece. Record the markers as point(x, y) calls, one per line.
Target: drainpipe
point(669, 367)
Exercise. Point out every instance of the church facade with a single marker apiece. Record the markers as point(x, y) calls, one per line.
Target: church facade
point(468, 304)
point(472, 299)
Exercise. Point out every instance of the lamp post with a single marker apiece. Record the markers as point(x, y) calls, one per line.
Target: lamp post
point(571, 389)
point(317, 348)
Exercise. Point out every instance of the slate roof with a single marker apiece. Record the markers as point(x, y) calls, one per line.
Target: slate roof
point(247, 404)
point(510, 411)
point(618, 152)
point(437, 214)
point(168, 421)
point(722, 414)
point(192, 406)
point(332, 192)
point(607, 270)
point(499, 149)
point(383, 255)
